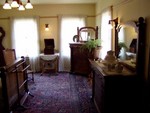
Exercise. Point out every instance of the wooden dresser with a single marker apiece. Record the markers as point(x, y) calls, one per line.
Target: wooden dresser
point(79, 60)
point(115, 92)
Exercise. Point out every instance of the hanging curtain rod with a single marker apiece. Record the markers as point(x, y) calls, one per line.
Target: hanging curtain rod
point(5, 18)
point(45, 17)
point(57, 16)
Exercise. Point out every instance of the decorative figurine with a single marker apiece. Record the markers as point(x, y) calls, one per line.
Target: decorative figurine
point(110, 60)
point(110, 57)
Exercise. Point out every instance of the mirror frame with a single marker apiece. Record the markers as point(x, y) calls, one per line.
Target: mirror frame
point(2, 61)
point(128, 44)
point(79, 30)
point(141, 46)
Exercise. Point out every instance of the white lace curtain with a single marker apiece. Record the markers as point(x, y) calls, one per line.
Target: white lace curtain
point(68, 28)
point(106, 32)
point(25, 39)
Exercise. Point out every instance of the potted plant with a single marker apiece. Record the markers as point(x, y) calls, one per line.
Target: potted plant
point(93, 47)
point(122, 45)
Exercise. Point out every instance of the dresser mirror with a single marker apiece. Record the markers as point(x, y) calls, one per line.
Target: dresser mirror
point(128, 35)
point(132, 34)
point(86, 33)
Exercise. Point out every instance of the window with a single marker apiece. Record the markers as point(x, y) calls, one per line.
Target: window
point(105, 32)
point(25, 39)
point(68, 28)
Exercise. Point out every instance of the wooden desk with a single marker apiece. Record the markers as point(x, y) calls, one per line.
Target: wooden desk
point(49, 62)
point(115, 92)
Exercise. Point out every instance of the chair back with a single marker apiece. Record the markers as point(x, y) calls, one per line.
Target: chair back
point(9, 56)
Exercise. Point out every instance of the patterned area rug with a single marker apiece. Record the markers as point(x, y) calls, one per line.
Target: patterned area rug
point(61, 93)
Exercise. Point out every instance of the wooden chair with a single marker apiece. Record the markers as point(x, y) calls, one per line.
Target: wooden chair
point(29, 71)
point(9, 56)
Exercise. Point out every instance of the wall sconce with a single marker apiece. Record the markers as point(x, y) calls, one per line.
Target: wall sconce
point(46, 27)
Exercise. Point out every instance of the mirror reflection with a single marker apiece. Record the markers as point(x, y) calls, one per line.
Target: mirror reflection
point(86, 33)
point(128, 36)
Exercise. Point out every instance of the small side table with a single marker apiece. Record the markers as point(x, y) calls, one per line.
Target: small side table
point(49, 62)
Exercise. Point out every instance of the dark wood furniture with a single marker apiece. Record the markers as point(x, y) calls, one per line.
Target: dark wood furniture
point(13, 79)
point(119, 93)
point(115, 92)
point(2, 35)
point(79, 60)
point(49, 46)
point(13, 85)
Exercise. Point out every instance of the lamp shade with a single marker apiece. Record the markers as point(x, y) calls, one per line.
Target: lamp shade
point(14, 4)
point(17, 4)
point(29, 5)
point(21, 8)
point(46, 27)
point(6, 5)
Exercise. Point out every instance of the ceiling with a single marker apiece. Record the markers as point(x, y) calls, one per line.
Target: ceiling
point(55, 1)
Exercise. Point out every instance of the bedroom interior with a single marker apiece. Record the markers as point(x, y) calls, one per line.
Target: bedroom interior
point(112, 80)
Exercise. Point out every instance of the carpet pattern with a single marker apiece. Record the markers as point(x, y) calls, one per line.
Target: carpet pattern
point(61, 93)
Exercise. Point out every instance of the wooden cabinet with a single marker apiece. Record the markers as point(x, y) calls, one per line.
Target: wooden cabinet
point(79, 59)
point(115, 92)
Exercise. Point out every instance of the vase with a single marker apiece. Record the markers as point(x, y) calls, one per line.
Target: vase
point(94, 54)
